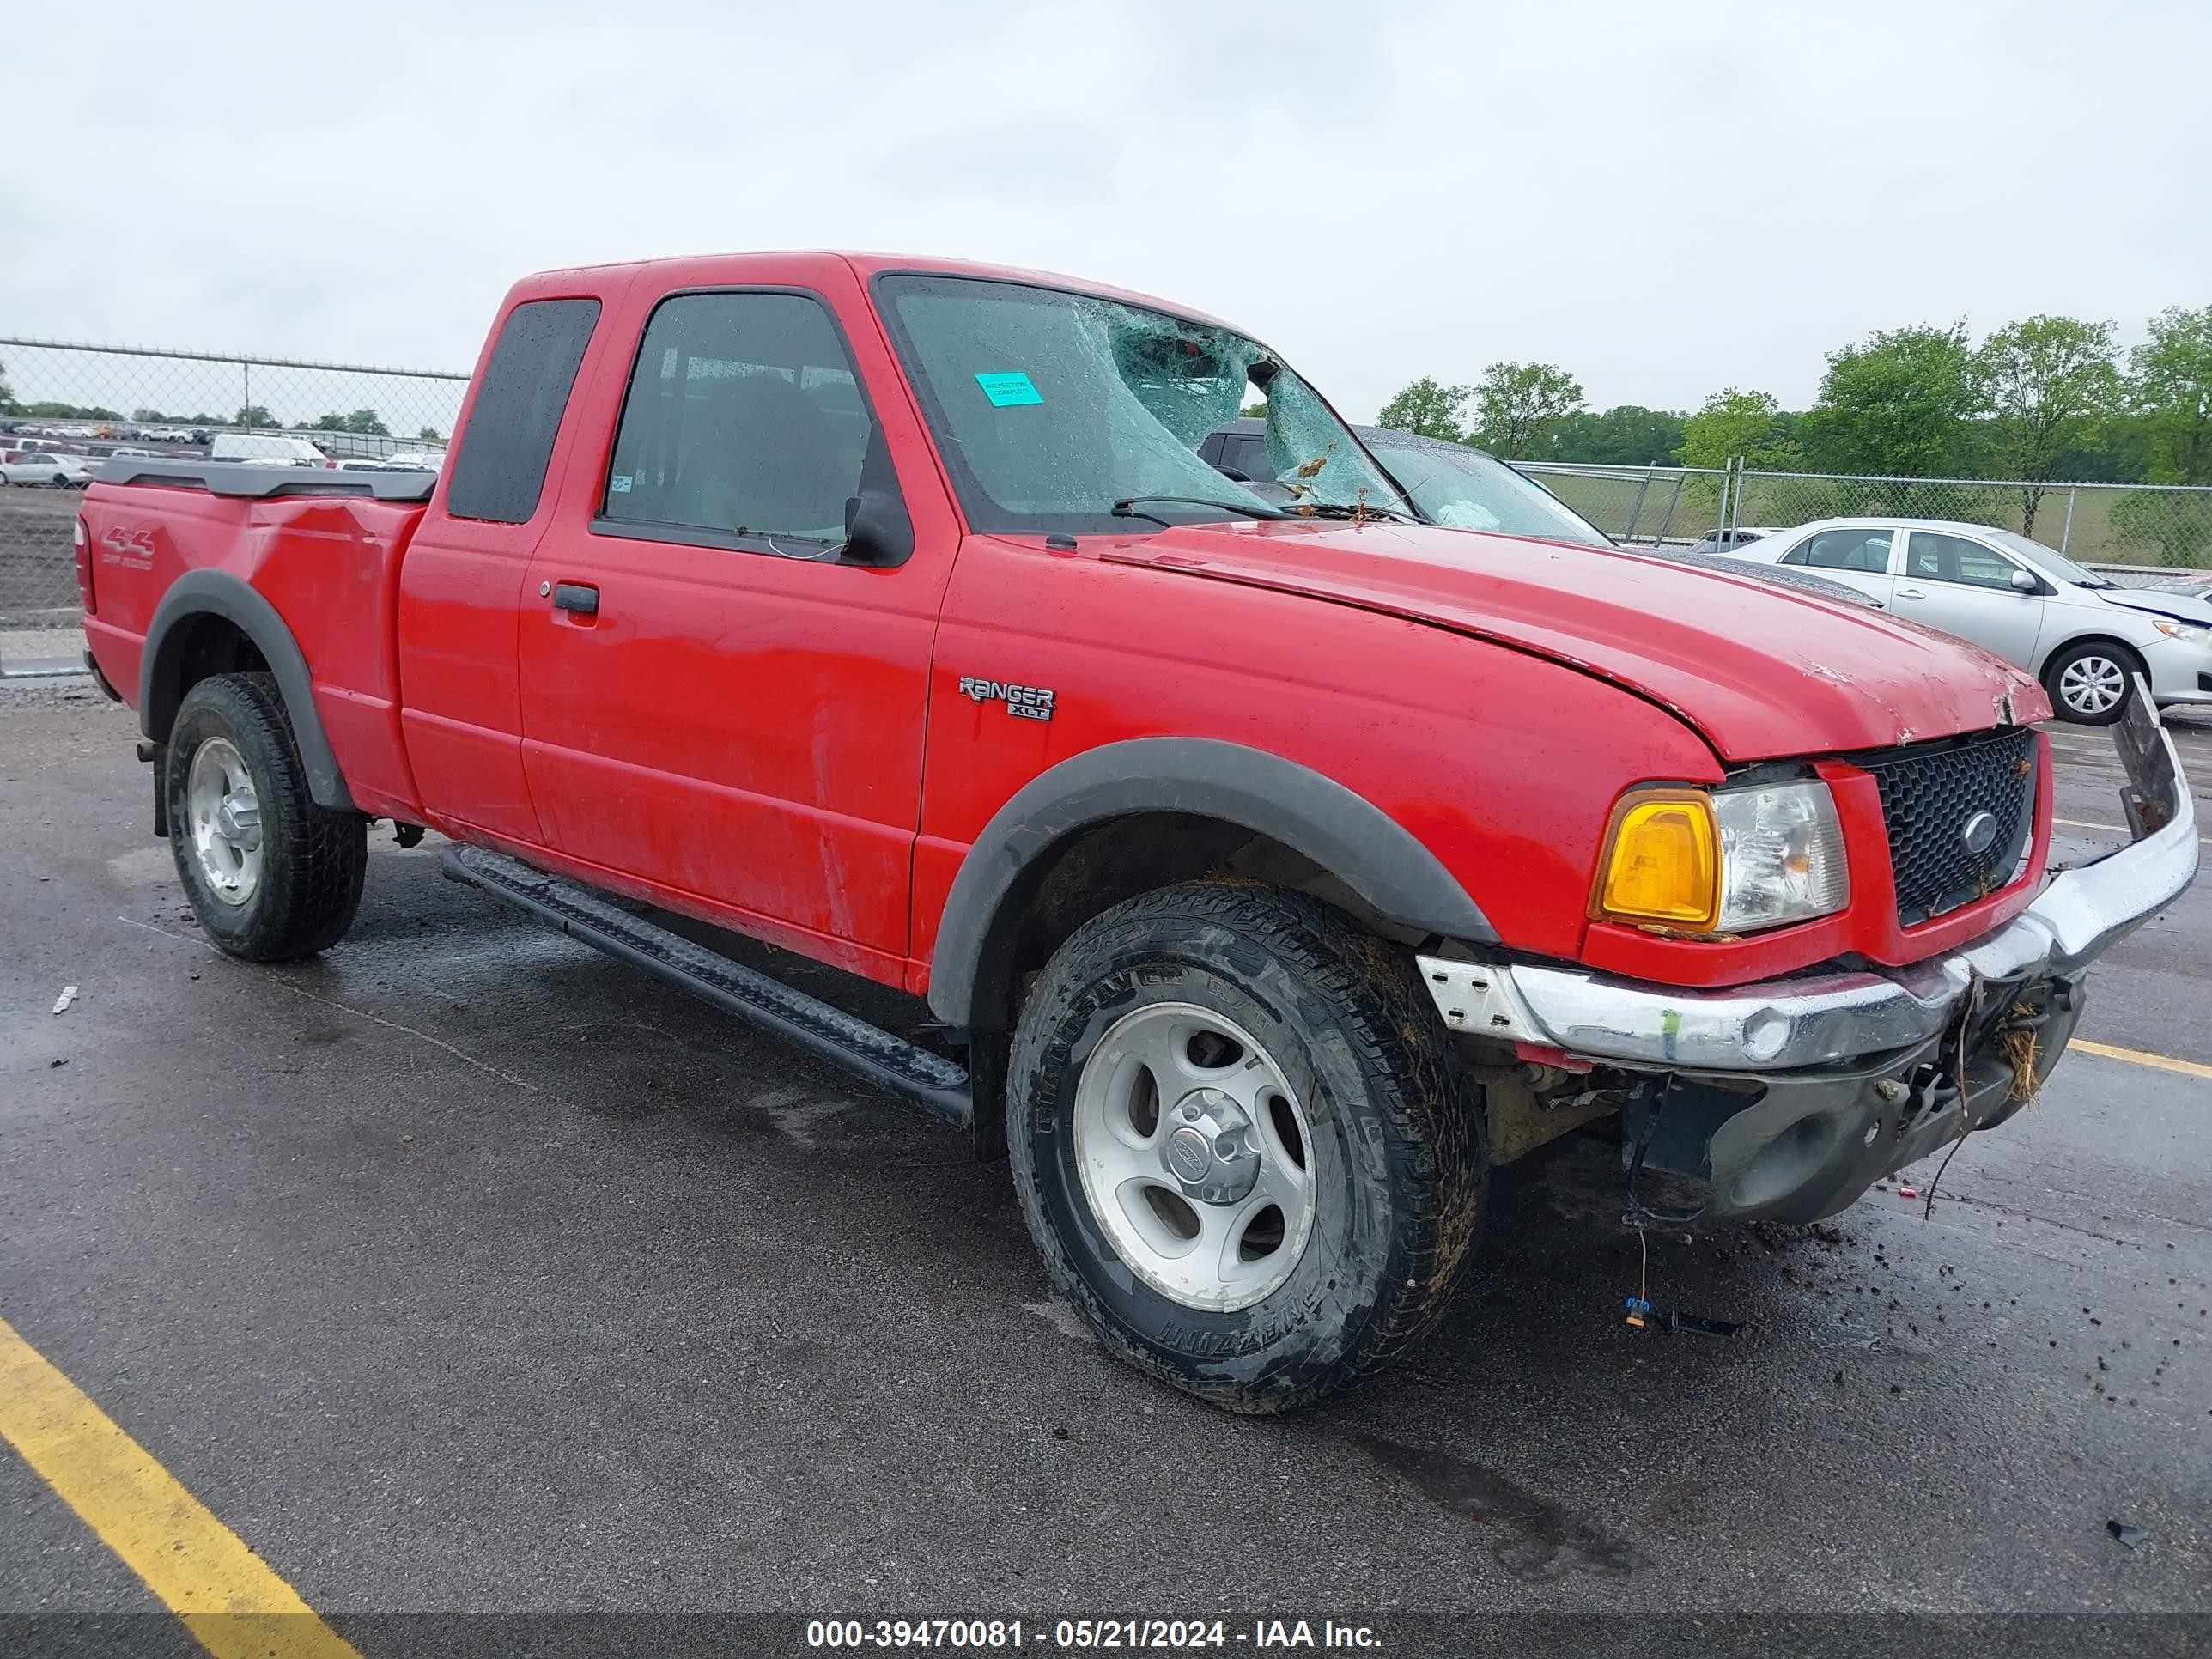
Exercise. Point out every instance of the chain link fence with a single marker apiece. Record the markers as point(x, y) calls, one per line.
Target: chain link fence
point(1649, 504)
point(2165, 526)
point(2145, 528)
point(84, 405)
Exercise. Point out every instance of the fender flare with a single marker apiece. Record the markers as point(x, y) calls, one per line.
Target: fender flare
point(1349, 836)
point(161, 669)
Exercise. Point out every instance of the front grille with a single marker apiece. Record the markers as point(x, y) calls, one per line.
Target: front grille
point(1930, 794)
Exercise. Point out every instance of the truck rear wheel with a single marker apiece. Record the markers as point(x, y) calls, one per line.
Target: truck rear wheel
point(271, 875)
point(1243, 1143)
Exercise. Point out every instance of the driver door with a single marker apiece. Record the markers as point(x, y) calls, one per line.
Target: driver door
point(714, 699)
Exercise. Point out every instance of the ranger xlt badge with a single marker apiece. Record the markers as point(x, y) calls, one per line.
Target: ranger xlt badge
point(1026, 703)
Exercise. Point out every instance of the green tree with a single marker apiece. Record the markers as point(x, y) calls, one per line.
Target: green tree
point(1730, 423)
point(51, 411)
point(2170, 386)
point(7, 395)
point(1624, 435)
point(2050, 381)
point(365, 421)
point(254, 414)
point(1427, 408)
point(429, 434)
point(1899, 405)
point(1516, 404)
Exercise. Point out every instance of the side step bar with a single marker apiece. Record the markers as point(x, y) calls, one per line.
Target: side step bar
point(868, 1052)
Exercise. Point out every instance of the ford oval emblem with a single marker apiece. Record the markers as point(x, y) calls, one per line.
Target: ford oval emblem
point(1979, 833)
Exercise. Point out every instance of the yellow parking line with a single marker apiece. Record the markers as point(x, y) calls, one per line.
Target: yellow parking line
point(2137, 1057)
point(229, 1599)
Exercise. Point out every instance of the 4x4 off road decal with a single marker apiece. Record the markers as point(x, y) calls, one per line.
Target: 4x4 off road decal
point(1024, 703)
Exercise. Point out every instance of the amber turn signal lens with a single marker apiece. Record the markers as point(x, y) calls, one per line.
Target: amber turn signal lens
point(1662, 862)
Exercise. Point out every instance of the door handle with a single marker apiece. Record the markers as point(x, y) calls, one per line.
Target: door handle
point(576, 596)
point(1910, 593)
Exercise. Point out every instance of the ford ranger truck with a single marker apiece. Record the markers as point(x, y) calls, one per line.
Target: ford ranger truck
point(1273, 863)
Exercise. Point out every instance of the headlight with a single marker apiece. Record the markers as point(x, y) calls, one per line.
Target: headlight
point(2193, 632)
point(1728, 862)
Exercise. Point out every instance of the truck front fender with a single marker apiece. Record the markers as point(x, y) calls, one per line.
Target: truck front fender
point(970, 979)
point(162, 670)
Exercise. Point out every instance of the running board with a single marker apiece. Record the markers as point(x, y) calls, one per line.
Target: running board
point(868, 1052)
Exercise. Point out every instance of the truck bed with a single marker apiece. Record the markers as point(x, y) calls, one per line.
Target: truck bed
point(322, 547)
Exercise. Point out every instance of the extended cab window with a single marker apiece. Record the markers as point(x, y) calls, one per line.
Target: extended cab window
point(500, 472)
point(744, 421)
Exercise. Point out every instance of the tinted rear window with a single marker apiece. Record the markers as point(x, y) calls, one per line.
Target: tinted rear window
point(500, 471)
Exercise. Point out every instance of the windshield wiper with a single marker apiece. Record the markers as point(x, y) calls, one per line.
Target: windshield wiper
point(1127, 507)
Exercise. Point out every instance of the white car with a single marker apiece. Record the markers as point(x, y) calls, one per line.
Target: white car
point(1728, 540)
point(266, 449)
point(2082, 635)
point(57, 471)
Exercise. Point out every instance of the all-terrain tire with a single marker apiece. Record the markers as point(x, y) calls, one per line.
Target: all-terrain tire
point(1398, 1159)
point(312, 858)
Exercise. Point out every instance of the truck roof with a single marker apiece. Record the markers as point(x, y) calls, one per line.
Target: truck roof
point(691, 267)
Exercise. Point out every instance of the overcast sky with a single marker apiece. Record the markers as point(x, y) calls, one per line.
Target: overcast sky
point(1664, 197)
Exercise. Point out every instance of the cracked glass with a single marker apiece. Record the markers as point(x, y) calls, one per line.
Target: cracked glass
point(1051, 406)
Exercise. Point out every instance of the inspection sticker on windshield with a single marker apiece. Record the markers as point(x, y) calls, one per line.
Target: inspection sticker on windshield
point(1009, 388)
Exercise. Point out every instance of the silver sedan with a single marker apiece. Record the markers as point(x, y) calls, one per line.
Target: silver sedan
point(2084, 635)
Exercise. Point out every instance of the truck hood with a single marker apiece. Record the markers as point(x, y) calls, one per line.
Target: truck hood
point(1762, 671)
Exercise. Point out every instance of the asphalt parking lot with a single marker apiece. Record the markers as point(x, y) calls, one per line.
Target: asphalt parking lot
point(462, 1270)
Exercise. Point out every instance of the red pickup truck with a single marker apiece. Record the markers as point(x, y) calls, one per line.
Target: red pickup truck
point(1272, 862)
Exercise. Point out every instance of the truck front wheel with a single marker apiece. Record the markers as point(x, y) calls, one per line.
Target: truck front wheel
point(271, 875)
point(1242, 1142)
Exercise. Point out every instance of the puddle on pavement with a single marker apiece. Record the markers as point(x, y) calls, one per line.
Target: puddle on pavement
point(1544, 1543)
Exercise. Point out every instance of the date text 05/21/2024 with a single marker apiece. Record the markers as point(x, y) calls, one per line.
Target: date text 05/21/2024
point(1087, 1634)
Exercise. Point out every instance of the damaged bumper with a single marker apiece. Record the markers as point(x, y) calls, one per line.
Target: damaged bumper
point(1789, 1097)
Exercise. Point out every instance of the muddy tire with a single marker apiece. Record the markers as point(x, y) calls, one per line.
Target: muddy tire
point(1243, 1143)
point(271, 875)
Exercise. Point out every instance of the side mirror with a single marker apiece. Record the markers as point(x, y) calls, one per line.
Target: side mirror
point(877, 529)
point(2023, 582)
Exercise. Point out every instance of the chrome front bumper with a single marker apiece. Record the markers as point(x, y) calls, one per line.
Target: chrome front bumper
point(1787, 1024)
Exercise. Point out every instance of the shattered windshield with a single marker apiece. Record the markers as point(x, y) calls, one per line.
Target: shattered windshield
point(1467, 490)
point(1051, 407)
